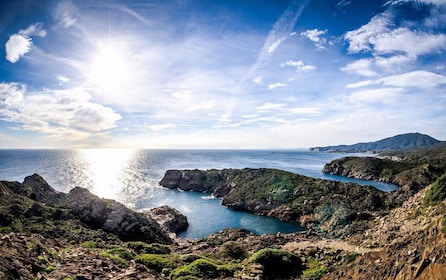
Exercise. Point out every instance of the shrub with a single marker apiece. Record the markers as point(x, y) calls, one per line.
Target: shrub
point(89, 244)
point(144, 248)
point(202, 269)
point(277, 263)
point(115, 258)
point(437, 193)
point(233, 250)
point(156, 262)
point(121, 252)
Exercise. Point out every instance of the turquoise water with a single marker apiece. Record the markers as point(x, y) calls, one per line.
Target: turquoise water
point(132, 176)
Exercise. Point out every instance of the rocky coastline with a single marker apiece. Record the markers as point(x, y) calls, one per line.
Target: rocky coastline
point(354, 232)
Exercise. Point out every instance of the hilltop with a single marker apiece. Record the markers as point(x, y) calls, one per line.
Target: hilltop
point(396, 143)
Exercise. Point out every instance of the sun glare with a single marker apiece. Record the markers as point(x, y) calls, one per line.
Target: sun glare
point(105, 168)
point(108, 67)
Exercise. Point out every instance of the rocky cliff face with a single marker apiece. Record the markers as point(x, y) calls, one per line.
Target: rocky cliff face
point(326, 206)
point(34, 199)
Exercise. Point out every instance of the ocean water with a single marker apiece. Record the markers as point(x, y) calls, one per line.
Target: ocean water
point(132, 176)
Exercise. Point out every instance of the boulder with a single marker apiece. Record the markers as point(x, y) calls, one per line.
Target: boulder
point(170, 219)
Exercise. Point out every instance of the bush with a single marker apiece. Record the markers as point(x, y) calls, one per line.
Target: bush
point(202, 269)
point(121, 252)
point(144, 248)
point(233, 250)
point(277, 263)
point(437, 193)
point(89, 244)
point(156, 262)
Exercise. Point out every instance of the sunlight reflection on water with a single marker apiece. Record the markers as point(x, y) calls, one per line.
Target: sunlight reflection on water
point(107, 170)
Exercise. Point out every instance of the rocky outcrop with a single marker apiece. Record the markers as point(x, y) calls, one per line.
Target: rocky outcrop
point(326, 206)
point(112, 217)
point(170, 219)
point(36, 199)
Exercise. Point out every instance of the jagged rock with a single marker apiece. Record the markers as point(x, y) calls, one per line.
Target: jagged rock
point(40, 189)
point(169, 218)
point(113, 217)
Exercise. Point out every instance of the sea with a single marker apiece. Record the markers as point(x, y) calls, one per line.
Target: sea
point(132, 177)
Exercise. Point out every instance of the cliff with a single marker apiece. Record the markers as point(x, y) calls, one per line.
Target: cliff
point(326, 206)
point(411, 170)
point(395, 143)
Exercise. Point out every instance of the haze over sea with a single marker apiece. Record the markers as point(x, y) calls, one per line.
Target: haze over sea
point(132, 176)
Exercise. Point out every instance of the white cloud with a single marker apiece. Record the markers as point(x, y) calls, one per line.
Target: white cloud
point(421, 79)
point(17, 46)
point(34, 30)
point(257, 80)
point(315, 35)
point(64, 14)
point(379, 95)
point(398, 41)
point(305, 110)
point(57, 114)
point(62, 79)
point(362, 67)
point(360, 39)
point(20, 43)
point(275, 45)
point(267, 107)
point(300, 66)
point(273, 86)
point(159, 127)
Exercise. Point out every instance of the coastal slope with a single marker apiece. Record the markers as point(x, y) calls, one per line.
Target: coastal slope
point(394, 143)
point(328, 207)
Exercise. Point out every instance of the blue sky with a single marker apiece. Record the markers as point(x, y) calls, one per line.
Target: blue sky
point(220, 74)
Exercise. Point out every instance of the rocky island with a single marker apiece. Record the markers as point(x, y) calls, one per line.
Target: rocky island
point(354, 232)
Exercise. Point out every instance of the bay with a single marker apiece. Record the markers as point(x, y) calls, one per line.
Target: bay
point(132, 176)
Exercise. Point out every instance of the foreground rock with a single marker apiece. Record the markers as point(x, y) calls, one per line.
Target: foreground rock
point(35, 200)
point(326, 206)
point(169, 218)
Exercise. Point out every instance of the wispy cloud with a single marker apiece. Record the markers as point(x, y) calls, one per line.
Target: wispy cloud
point(281, 30)
point(421, 79)
point(300, 66)
point(273, 86)
point(20, 43)
point(64, 14)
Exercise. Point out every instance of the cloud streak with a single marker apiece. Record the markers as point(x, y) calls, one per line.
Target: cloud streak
point(281, 30)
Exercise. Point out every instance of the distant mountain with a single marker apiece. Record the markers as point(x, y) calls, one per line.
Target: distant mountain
point(395, 143)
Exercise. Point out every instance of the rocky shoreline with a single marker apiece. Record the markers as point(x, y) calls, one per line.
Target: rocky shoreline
point(354, 232)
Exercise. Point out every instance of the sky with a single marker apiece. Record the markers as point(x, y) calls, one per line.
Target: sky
point(220, 73)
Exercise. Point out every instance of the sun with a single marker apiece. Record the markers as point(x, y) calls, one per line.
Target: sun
point(108, 67)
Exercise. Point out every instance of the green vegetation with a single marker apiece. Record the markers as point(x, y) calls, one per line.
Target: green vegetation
point(277, 263)
point(437, 193)
point(89, 244)
point(203, 269)
point(143, 248)
point(232, 250)
point(157, 262)
point(115, 258)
